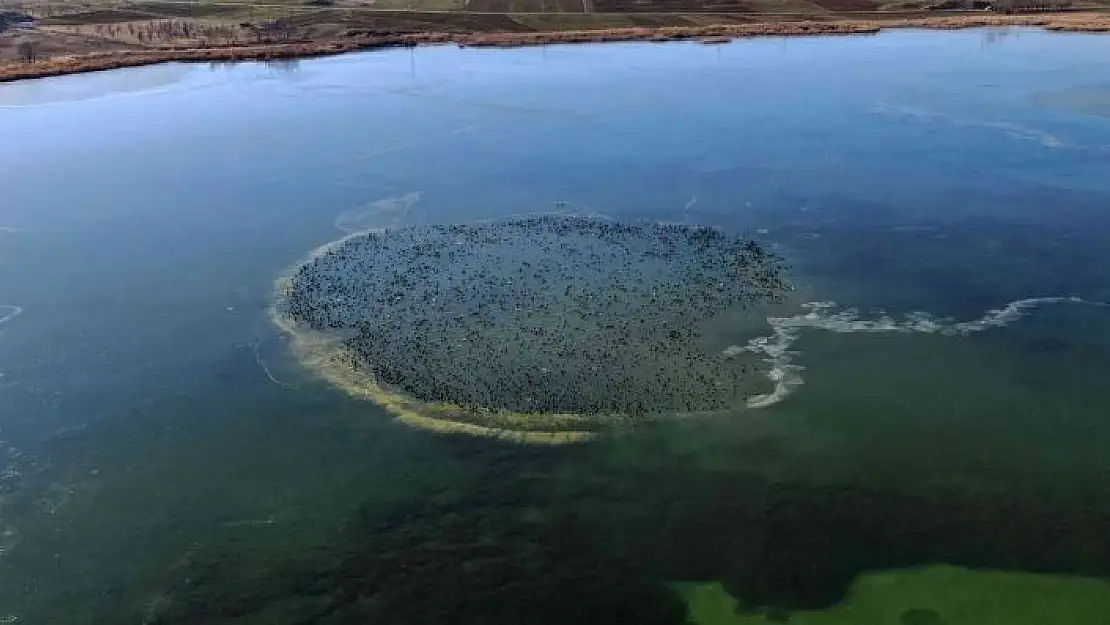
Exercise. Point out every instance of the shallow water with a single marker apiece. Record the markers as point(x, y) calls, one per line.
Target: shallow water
point(167, 457)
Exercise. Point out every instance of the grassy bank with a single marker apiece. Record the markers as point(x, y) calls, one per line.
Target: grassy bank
point(355, 39)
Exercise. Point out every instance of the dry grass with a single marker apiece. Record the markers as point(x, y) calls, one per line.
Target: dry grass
point(672, 33)
point(1069, 22)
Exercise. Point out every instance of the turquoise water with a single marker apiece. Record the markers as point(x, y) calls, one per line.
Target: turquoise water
point(168, 458)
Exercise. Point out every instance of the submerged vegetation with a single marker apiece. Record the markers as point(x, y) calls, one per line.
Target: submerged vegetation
point(556, 536)
point(548, 323)
point(491, 553)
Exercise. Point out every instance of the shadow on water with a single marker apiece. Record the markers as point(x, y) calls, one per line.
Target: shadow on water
point(565, 535)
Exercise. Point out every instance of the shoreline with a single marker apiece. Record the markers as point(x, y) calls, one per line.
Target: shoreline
point(1090, 22)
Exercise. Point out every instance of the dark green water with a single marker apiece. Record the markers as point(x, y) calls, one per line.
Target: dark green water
point(169, 461)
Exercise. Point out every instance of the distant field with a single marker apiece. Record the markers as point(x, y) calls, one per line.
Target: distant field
point(68, 12)
point(123, 10)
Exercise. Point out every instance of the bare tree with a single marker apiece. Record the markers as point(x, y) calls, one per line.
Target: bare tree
point(28, 51)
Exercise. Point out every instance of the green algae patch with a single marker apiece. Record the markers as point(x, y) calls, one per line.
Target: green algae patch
point(935, 595)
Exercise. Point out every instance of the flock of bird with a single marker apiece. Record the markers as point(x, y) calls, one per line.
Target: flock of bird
point(541, 314)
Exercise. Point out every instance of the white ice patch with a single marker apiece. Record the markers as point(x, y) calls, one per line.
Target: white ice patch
point(1010, 129)
point(8, 312)
point(390, 212)
point(786, 375)
point(686, 208)
point(419, 143)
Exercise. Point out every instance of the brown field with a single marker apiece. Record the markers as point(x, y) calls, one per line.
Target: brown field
point(672, 6)
point(103, 16)
point(848, 5)
point(86, 35)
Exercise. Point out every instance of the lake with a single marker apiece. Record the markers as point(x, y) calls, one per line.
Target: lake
point(932, 444)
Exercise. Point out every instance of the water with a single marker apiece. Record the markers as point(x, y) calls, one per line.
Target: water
point(168, 458)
